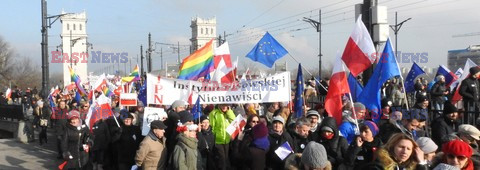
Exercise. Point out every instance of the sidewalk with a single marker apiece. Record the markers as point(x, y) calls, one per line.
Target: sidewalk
point(17, 155)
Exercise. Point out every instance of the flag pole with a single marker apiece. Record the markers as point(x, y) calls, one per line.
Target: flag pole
point(404, 92)
point(354, 113)
point(321, 85)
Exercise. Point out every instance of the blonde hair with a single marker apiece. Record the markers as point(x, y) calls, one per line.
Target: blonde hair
point(394, 140)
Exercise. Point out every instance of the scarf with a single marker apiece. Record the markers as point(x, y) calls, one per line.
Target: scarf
point(262, 143)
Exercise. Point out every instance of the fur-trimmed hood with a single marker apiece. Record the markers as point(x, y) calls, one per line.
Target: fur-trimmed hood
point(388, 163)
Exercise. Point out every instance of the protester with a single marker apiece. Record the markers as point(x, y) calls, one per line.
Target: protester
point(43, 114)
point(401, 152)
point(362, 150)
point(470, 92)
point(220, 118)
point(456, 153)
point(102, 139)
point(445, 125)
point(75, 143)
point(313, 157)
point(438, 93)
point(271, 109)
point(172, 121)
point(277, 136)
point(128, 143)
point(185, 153)
point(60, 123)
point(152, 154)
point(429, 148)
point(206, 143)
point(349, 127)
point(300, 134)
point(335, 145)
point(315, 121)
point(241, 144)
point(258, 148)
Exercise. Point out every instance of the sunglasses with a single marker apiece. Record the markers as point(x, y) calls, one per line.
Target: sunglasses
point(461, 158)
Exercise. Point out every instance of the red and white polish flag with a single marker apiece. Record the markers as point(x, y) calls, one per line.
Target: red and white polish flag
point(338, 86)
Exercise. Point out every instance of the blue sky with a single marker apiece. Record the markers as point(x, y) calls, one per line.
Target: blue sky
point(121, 26)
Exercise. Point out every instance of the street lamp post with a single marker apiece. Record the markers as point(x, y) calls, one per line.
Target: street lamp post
point(46, 23)
point(395, 29)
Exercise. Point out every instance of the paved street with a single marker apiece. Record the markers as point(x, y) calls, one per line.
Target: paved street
point(17, 155)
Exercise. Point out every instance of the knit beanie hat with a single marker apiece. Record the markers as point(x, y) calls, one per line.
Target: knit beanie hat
point(474, 70)
point(448, 108)
point(372, 126)
point(457, 148)
point(358, 106)
point(314, 155)
point(260, 130)
point(426, 145)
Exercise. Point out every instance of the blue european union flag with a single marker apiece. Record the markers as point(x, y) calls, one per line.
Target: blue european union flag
point(386, 68)
point(355, 87)
point(197, 110)
point(267, 51)
point(409, 81)
point(142, 93)
point(298, 102)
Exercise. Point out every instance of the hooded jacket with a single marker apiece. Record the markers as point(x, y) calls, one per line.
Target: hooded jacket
point(337, 146)
point(219, 122)
point(72, 145)
point(185, 153)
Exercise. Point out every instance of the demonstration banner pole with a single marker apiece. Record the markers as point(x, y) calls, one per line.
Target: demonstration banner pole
point(404, 92)
point(357, 130)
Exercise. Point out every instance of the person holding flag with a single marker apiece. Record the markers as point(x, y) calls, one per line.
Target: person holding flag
point(278, 136)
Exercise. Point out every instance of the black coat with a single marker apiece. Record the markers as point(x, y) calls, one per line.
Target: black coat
point(276, 140)
point(387, 130)
point(437, 92)
point(128, 144)
point(101, 136)
point(337, 146)
point(359, 157)
point(206, 144)
point(469, 89)
point(299, 142)
point(72, 145)
point(442, 127)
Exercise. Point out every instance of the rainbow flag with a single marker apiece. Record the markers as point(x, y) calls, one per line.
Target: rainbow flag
point(198, 64)
point(75, 78)
point(134, 75)
point(107, 91)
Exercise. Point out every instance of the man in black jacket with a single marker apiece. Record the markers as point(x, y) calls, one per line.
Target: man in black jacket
point(445, 125)
point(470, 91)
point(438, 93)
point(206, 143)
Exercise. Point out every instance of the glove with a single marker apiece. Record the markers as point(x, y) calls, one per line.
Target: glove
point(67, 156)
point(134, 167)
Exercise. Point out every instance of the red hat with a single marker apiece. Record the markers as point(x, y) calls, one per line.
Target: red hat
point(73, 114)
point(457, 148)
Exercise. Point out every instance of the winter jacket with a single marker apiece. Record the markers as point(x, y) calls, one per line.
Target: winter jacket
point(257, 158)
point(469, 89)
point(276, 140)
point(388, 163)
point(388, 129)
point(442, 127)
point(336, 147)
point(73, 140)
point(358, 157)
point(299, 142)
point(101, 136)
point(347, 129)
point(61, 120)
point(128, 144)
point(219, 122)
point(437, 92)
point(185, 153)
point(206, 144)
point(151, 153)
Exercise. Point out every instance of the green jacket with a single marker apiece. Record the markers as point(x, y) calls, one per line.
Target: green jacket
point(185, 153)
point(219, 122)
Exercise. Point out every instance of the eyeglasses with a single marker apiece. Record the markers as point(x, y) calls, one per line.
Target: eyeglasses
point(85, 106)
point(460, 158)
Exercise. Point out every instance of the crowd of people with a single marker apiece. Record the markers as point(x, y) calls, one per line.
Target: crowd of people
point(432, 134)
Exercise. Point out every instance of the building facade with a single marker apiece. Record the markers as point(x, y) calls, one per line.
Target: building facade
point(458, 58)
point(203, 30)
point(74, 45)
